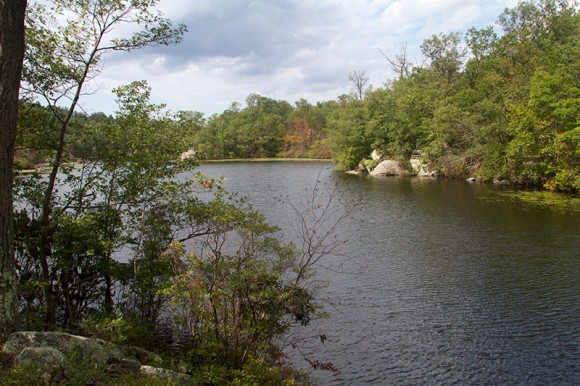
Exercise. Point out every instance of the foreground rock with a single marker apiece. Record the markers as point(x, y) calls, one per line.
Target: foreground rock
point(96, 350)
point(49, 350)
point(166, 375)
point(46, 358)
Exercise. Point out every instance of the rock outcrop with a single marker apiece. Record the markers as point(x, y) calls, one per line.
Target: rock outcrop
point(46, 358)
point(377, 165)
point(96, 350)
point(49, 350)
point(420, 169)
point(393, 168)
point(387, 168)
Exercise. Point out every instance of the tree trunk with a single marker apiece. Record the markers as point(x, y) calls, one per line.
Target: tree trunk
point(11, 56)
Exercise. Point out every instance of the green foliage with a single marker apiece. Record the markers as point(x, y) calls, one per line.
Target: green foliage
point(233, 295)
point(98, 209)
point(567, 159)
point(264, 128)
point(125, 330)
point(493, 107)
point(445, 54)
point(66, 41)
point(37, 131)
point(201, 262)
point(348, 140)
point(77, 375)
point(235, 292)
point(501, 113)
point(253, 132)
point(254, 372)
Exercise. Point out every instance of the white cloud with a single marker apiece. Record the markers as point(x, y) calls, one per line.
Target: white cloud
point(284, 49)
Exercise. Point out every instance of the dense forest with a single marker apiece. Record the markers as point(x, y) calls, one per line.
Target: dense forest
point(118, 246)
point(495, 106)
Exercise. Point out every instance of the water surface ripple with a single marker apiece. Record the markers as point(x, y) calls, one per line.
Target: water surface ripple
point(445, 282)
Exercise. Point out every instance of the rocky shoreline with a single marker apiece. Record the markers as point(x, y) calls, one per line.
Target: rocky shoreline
point(379, 166)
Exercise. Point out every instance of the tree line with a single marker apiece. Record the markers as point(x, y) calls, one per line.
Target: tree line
point(485, 104)
point(480, 105)
point(494, 105)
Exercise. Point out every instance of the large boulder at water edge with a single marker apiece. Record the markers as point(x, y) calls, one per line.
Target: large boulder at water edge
point(391, 167)
point(387, 168)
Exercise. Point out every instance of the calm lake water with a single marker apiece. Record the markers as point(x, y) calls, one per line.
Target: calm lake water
point(440, 282)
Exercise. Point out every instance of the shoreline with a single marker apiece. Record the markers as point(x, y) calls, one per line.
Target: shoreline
point(45, 168)
point(265, 160)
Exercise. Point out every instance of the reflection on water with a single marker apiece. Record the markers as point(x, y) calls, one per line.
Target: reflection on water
point(445, 282)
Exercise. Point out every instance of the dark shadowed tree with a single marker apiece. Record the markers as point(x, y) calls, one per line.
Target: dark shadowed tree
point(11, 54)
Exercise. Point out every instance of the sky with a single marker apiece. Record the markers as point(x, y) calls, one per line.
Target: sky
point(281, 49)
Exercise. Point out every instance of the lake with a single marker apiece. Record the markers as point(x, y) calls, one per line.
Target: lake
point(440, 281)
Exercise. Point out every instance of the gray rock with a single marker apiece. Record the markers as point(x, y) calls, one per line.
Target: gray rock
point(420, 169)
point(96, 350)
point(126, 363)
point(168, 375)
point(46, 358)
point(143, 356)
point(387, 168)
point(54, 349)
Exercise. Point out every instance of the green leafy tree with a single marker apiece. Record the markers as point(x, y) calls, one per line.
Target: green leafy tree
point(101, 206)
point(445, 55)
point(230, 295)
point(63, 54)
point(348, 138)
point(505, 113)
point(36, 136)
point(539, 46)
point(240, 289)
point(265, 122)
point(396, 115)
